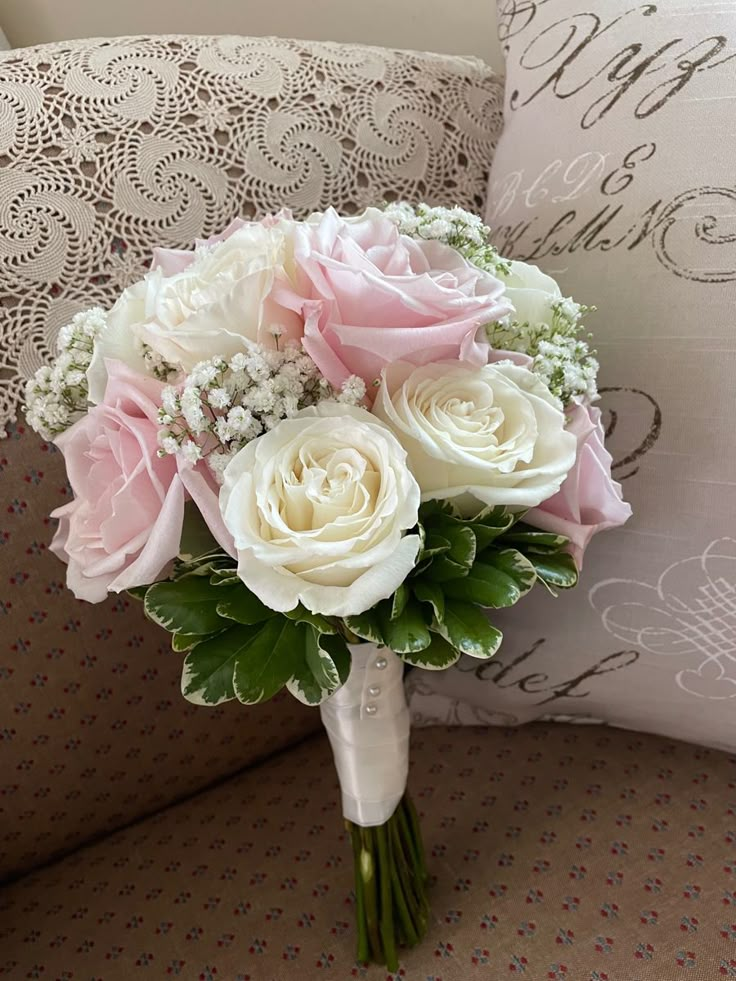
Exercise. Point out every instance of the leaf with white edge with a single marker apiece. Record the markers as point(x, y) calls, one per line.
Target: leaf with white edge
point(306, 684)
point(265, 663)
point(496, 516)
point(138, 592)
point(437, 656)
point(366, 626)
point(429, 592)
point(432, 509)
point(320, 663)
point(196, 538)
point(434, 545)
point(466, 627)
point(399, 601)
point(186, 606)
point(407, 633)
point(516, 565)
point(336, 646)
point(239, 604)
point(444, 569)
point(486, 586)
point(301, 615)
point(304, 688)
point(185, 642)
point(462, 544)
point(224, 577)
point(527, 535)
point(486, 535)
point(556, 571)
point(209, 668)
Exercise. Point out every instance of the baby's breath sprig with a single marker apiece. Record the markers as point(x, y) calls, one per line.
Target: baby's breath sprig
point(222, 405)
point(56, 396)
point(562, 357)
point(460, 229)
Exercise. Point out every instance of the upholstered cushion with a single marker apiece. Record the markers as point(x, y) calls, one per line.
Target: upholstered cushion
point(615, 173)
point(107, 149)
point(560, 854)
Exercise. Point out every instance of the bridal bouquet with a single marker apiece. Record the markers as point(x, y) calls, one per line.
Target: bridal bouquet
point(319, 451)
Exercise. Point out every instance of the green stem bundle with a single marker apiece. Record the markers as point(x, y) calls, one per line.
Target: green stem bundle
point(391, 907)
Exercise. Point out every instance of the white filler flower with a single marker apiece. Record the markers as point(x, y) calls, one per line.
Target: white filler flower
point(319, 508)
point(484, 436)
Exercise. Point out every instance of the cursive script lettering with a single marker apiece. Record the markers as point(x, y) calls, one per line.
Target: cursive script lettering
point(537, 682)
point(573, 55)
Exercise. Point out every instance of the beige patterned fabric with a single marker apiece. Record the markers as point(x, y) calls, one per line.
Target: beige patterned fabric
point(615, 173)
point(559, 854)
point(109, 148)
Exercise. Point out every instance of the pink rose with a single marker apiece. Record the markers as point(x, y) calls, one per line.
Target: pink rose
point(125, 521)
point(590, 500)
point(370, 296)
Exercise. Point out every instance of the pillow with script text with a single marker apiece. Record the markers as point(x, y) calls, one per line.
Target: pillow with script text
point(616, 173)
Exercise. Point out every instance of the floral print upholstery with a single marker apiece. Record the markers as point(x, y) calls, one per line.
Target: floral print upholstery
point(560, 853)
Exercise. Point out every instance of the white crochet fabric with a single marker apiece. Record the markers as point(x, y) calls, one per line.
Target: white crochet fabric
point(110, 147)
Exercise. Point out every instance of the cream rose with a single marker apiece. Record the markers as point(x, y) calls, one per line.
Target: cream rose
point(319, 508)
point(532, 293)
point(193, 305)
point(484, 436)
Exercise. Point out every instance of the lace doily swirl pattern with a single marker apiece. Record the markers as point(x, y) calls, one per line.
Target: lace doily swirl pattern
point(111, 147)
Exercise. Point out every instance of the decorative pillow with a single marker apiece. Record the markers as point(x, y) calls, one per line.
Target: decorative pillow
point(616, 174)
point(107, 148)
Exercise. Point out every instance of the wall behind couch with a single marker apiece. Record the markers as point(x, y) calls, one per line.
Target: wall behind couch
point(462, 27)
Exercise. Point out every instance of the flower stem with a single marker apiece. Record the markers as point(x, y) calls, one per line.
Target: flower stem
point(391, 907)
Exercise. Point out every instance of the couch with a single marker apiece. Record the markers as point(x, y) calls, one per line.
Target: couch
point(143, 836)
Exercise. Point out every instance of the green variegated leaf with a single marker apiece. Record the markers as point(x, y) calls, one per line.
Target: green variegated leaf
point(303, 686)
point(407, 633)
point(186, 606)
point(495, 517)
point(437, 656)
point(325, 666)
point(443, 569)
point(462, 543)
point(399, 601)
point(320, 623)
point(465, 626)
point(556, 571)
point(366, 626)
point(514, 564)
point(239, 604)
point(486, 586)
point(185, 642)
point(528, 536)
point(224, 577)
point(434, 545)
point(209, 668)
point(138, 592)
point(430, 510)
point(430, 592)
point(265, 663)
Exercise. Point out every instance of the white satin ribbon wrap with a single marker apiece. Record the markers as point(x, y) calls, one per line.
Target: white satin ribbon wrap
point(369, 735)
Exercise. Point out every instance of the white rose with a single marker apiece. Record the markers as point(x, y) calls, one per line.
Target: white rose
point(532, 293)
point(318, 508)
point(485, 436)
point(196, 305)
